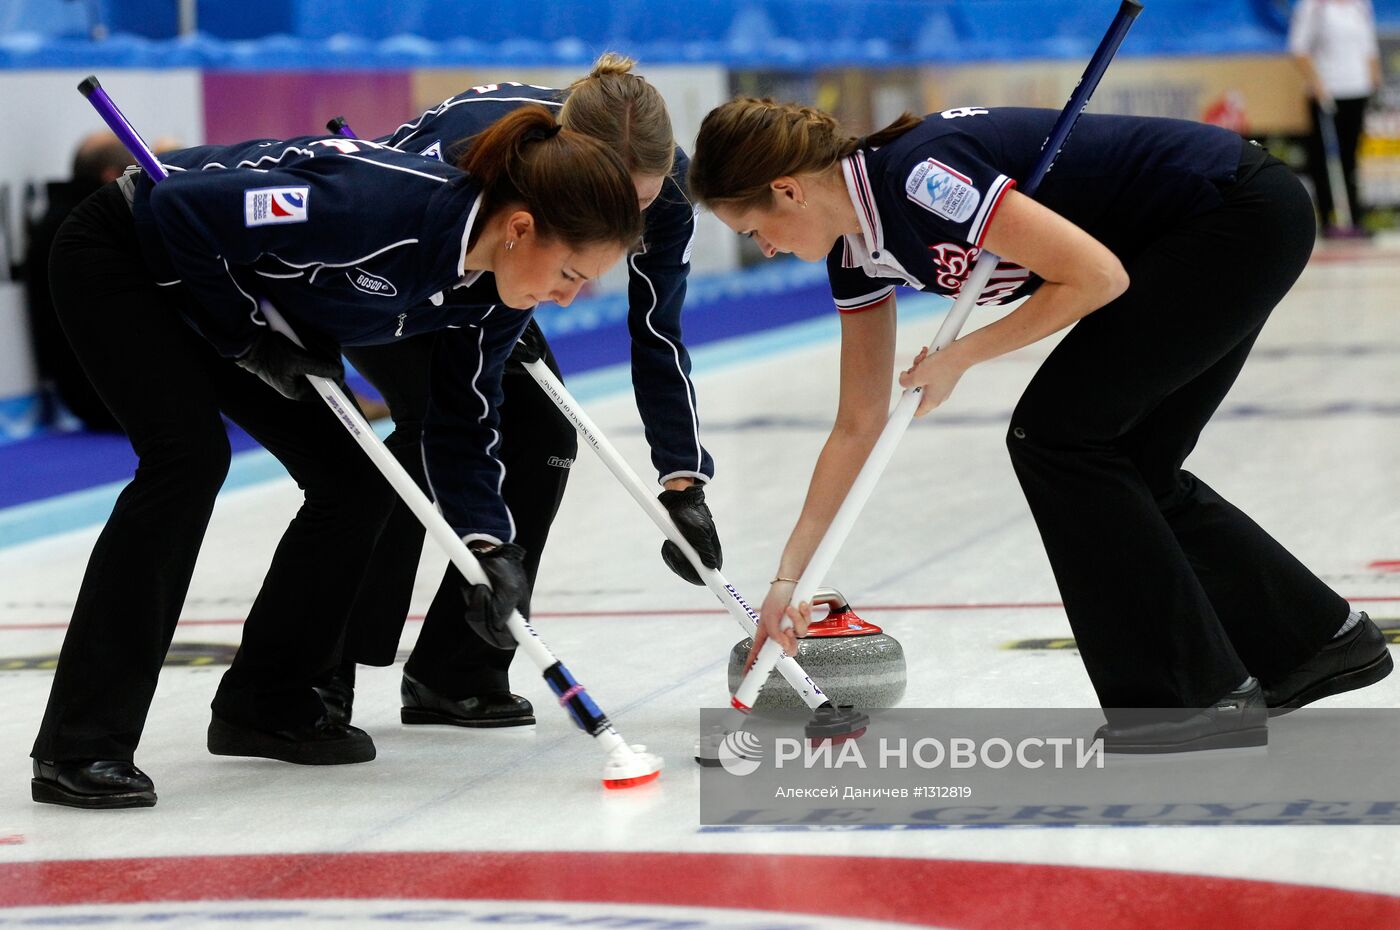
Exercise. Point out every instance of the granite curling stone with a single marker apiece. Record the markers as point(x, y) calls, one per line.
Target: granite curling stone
point(852, 660)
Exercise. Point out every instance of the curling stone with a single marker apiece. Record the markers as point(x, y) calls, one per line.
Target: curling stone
point(852, 660)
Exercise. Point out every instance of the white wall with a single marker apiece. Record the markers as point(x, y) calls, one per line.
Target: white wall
point(690, 93)
point(44, 117)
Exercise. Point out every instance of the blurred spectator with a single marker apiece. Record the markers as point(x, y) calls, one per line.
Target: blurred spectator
point(100, 158)
point(1334, 43)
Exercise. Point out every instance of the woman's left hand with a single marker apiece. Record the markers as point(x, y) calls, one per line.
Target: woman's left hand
point(937, 373)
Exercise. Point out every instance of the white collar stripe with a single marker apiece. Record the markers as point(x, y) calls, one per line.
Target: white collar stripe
point(467, 234)
point(867, 200)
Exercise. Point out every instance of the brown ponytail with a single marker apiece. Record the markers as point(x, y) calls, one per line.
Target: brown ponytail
point(621, 109)
point(575, 187)
point(747, 143)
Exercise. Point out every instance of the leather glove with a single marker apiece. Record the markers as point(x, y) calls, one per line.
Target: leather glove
point(692, 517)
point(489, 610)
point(283, 365)
point(531, 347)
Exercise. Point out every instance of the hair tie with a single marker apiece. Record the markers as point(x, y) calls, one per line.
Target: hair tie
point(535, 134)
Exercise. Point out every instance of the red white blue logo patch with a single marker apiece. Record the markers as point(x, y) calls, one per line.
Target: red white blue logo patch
point(266, 206)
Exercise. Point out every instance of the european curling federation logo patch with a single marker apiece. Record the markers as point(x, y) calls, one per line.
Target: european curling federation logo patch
point(266, 206)
point(941, 190)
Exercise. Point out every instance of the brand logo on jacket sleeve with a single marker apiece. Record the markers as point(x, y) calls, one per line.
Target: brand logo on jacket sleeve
point(941, 190)
point(266, 206)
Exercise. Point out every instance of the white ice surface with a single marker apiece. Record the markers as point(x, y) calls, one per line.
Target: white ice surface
point(1308, 443)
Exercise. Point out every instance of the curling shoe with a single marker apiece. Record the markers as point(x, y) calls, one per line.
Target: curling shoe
point(423, 705)
point(319, 743)
point(98, 785)
point(1354, 660)
point(337, 691)
point(1239, 719)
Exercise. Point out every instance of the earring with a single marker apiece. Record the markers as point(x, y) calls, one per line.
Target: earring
point(510, 244)
point(802, 204)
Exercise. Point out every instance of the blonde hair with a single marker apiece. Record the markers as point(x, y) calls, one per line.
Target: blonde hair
point(747, 143)
point(623, 111)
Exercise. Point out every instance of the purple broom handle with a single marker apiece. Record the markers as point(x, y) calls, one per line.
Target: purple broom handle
point(128, 135)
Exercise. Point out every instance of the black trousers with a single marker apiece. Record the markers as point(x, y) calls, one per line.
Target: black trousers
point(167, 386)
point(537, 446)
point(1349, 118)
point(1173, 593)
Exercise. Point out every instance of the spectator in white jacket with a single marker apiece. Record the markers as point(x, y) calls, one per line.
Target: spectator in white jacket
point(1334, 43)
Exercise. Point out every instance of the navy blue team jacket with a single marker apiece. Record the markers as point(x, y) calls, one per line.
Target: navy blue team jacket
point(355, 244)
point(656, 291)
point(925, 200)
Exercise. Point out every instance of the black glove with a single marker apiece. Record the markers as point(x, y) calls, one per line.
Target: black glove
point(283, 364)
point(531, 347)
point(489, 611)
point(692, 517)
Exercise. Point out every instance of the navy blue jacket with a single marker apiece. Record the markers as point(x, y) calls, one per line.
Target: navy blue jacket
point(926, 199)
point(656, 290)
point(355, 244)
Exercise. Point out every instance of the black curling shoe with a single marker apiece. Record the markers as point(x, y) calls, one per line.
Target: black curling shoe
point(423, 705)
point(337, 691)
point(98, 785)
point(1358, 659)
point(319, 743)
point(1239, 719)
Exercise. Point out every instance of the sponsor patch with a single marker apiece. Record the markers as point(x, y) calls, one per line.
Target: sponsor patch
point(433, 151)
point(266, 206)
point(372, 284)
point(943, 191)
point(557, 462)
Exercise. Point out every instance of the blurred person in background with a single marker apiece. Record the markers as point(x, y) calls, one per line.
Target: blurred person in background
point(99, 159)
point(1334, 43)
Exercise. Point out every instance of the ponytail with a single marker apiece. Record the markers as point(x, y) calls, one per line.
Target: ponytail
point(622, 110)
point(899, 127)
point(747, 143)
point(575, 187)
